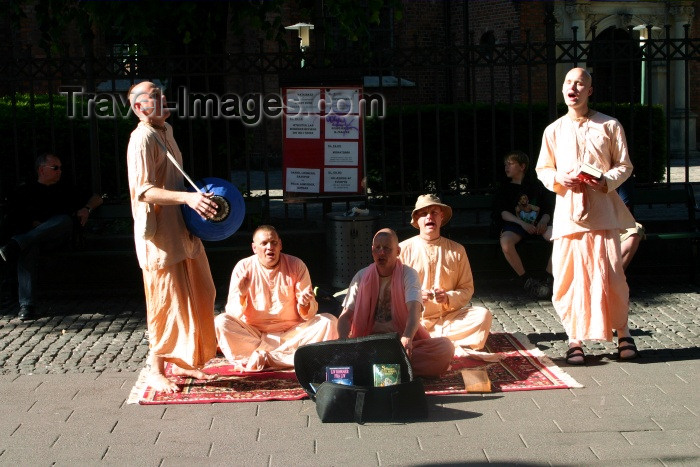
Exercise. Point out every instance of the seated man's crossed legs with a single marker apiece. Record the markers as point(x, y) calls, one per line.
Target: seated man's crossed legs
point(22, 252)
point(52, 233)
point(467, 328)
point(249, 349)
point(431, 357)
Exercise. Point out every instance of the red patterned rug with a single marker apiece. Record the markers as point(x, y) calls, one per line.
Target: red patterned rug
point(522, 368)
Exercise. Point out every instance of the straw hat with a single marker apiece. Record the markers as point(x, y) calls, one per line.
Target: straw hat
point(431, 200)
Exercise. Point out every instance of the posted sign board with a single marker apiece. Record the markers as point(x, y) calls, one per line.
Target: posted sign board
point(323, 141)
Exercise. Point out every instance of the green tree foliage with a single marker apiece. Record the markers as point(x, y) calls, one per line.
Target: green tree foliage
point(159, 27)
point(162, 28)
point(41, 123)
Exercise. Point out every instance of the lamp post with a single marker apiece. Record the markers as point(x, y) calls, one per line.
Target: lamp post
point(304, 36)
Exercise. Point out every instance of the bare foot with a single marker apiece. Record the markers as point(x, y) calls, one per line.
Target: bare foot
point(257, 361)
point(162, 384)
point(196, 374)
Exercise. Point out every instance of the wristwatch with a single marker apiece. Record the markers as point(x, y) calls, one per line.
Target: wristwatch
point(88, 208)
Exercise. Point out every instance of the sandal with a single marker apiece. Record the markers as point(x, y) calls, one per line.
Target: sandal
point(575, 352)
point(629, 345)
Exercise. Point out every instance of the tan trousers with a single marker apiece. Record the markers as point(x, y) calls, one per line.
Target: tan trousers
point(466, 327)
point(247, 347)
point(590, 292)
point(180, 312)
point(431, 357)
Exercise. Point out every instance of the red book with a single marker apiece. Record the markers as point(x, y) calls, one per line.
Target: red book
point(589, 172)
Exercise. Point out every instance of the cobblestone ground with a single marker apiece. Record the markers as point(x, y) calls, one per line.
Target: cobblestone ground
point(664, 319)
point(93, 333)
point(106, 329)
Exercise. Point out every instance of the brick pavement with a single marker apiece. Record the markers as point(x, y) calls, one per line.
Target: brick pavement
point(65, 379)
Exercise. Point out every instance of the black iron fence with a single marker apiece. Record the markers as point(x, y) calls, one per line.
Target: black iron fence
point(451, 114)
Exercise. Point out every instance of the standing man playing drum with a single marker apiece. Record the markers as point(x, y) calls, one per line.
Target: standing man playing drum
point(177, 280)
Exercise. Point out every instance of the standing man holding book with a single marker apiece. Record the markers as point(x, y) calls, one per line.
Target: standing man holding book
point(590, 291)
point(385, 297)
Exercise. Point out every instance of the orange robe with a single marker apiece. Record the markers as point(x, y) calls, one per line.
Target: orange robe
point(590, 291)
point(179, 289)
point(264, 327)
point(444, 263)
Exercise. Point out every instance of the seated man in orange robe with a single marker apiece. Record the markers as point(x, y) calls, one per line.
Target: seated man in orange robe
point(271, 308)
point(385, 297)
point(446, 280)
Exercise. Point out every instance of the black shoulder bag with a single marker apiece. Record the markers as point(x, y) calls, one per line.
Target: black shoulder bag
point(361, 401)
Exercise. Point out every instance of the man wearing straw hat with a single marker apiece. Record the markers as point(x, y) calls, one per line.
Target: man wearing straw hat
point(446, 279)
point(177, 280)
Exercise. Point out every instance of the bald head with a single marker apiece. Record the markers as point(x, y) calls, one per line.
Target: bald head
point(148, 102)
point(139, 92)
point(386, 233)
point(583, 74)
point(265, 228)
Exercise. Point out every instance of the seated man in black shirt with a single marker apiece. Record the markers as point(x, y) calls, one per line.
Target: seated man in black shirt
point(40, 217)
point(522, 210)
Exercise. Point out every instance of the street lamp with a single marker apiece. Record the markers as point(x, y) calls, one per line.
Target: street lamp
point(303, 31)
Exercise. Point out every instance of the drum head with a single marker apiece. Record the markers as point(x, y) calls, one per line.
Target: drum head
point(228, 218)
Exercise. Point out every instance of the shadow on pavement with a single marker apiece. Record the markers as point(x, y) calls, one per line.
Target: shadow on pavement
point(438, 412)
point(485, 464)
point(666, 355)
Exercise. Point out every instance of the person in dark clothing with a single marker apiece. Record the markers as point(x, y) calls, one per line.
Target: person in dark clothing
point(522, 210)
point(632, 237)
point(41, 217)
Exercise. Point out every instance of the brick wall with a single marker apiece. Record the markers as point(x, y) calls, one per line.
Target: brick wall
point(532, 17)
point(423, 26)
point(431, 24)
point(498, 17)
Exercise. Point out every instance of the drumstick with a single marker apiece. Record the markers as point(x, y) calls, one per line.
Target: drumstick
point(177, 165)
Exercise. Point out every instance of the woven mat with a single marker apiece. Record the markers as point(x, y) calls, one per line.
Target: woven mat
point(523, 367)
